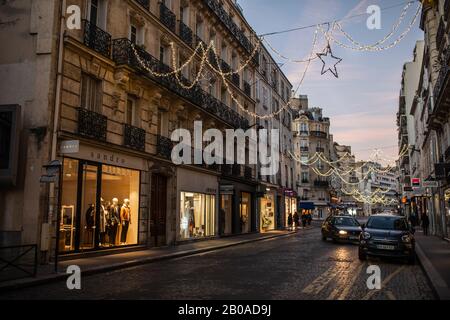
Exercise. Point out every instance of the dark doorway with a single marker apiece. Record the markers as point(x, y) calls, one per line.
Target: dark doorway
point(158, 210)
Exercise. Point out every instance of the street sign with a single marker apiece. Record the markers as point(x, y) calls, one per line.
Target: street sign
point(49, 179)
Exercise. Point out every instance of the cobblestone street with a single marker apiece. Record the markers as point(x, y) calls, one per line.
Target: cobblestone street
point(296, 267)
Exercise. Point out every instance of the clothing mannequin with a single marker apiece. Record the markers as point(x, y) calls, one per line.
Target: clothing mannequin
point(113, 221)
point(125, 218)
point(103, 214)
point(90, 224)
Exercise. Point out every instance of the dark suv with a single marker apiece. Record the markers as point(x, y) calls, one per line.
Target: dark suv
point(387, 235)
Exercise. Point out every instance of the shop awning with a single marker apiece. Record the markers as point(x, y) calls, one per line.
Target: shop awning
point(307, 205)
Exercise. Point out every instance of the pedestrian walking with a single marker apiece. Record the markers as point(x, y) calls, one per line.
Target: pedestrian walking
point(289, 221)
point(425, 224)
point(296, 220)
point(304, 220)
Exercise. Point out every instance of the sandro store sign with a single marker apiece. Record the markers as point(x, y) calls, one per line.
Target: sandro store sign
point(105, 157)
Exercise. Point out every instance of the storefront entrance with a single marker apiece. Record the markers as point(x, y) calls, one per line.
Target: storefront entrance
point(267, 212)
point(99, 208)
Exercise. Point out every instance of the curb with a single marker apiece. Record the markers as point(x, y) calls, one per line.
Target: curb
point(128, 264)
point(438, 284)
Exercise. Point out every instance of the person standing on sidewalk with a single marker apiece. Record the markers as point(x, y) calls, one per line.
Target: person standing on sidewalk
point(296, 220)
point(289, 221)
point(425, 223)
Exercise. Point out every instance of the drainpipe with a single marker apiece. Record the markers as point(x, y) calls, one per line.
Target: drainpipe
point(45, 245)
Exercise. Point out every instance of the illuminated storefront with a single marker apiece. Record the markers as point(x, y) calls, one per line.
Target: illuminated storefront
point(245, 212)
point(290, 203)
point(197, 212)
point(267, 211)
point(99, 206)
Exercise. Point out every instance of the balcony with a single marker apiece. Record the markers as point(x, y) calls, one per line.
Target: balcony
point(236, 79)
point(225, 67)
point(92, 124)
point(236, 170)
point(247, 89)
point(447, 155)
point(304, 149)
point(144, 3)
point(319, 134)
point(319, 149)
point(97, 39)
point(228, 22)
point(304, 132)
point(255, 59)
point(199, 40)
point(226, 169)
point(164, 147)
point(321, 183)
point(248, 173)
point(186, 34)
point(305, 181)
point(123, 54)
point(134, 137)
point(167, 17)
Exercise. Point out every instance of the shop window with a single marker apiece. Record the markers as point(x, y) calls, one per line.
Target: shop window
point(267, 214)
point(120, 206)
point(99, 208)
point(197, 215)
point(225, 214)
point(245, 210)
point(91, 93)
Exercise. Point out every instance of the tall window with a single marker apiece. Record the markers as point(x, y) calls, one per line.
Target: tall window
point(97, 13)
point(91, 93)
point(133, 34)
point(132, 114)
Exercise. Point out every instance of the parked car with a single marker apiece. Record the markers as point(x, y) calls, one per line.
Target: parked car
point(341, 228)
point(387, 235)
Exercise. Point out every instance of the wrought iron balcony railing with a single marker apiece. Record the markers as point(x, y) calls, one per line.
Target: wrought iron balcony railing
point(186, 34)
point(320, 149)
point(167, 17)
point(236, 170)
point(97, 39)
point(304, 149)
point(228, 22)
point(319, 134)
point(304, 132)
point(198, 40)
point(321, 183)
point(164, 147)
point(144, 3)
point(236, 79)
point(123, 53)
point(92, 124)
point(248, 173)
point(442, 78)
point(134, 137)
point(247, 89)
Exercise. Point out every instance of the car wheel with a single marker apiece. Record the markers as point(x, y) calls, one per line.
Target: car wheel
point(361, 255)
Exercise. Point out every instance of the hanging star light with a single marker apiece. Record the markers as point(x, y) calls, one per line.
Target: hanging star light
point(327, 53)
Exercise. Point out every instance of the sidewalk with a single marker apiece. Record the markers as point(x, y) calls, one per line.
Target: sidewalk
point(99, 264)
point(434, 256)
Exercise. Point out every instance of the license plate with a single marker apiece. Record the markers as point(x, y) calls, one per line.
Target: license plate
point(385, 247)
point(353, 238)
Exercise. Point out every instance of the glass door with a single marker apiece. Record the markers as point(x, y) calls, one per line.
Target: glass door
point(89, 206)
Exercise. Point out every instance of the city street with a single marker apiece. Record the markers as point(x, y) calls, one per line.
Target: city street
point(300, 266)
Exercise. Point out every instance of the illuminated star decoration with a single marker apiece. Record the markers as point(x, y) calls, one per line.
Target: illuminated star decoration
point(333, 69)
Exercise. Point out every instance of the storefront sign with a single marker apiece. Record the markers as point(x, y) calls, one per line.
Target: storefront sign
point(69, 146)
point(415, 182)
point(430, 184)
point(227, 189)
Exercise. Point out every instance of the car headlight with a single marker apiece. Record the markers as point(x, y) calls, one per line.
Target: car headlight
point(366, 235)
point(406, 238)
point(342, 232)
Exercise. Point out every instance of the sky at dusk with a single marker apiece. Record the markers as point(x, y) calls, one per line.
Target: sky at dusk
point(363, 102)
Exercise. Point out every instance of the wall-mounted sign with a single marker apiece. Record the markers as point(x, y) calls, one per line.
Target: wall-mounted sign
point(227, 189)
point(69, 146)
point(415, 182)
point(430, 184)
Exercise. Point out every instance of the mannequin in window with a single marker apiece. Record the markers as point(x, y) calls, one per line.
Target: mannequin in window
point(125, 218)
point(90, 222)
point(113, 221)
point(103, 218)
